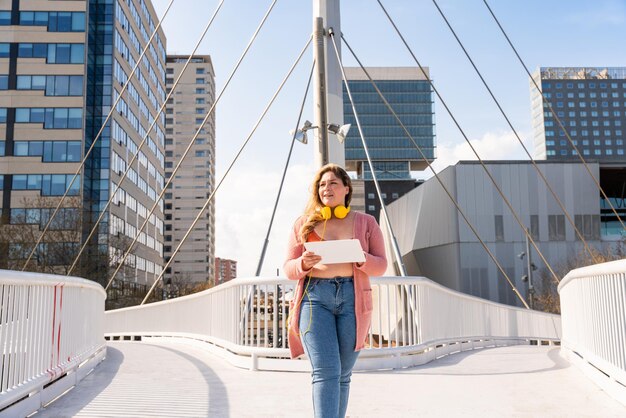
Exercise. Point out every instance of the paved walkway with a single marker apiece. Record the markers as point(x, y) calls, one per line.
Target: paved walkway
point(170, 379)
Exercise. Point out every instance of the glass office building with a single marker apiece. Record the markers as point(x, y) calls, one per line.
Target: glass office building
point(590, 103)
point(63, 64)
point(393, 153)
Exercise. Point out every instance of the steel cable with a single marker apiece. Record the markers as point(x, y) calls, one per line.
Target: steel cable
point(130, 163)
point(454, 201)
point(541, 175)
point(208, 200)
point(555, 116)
point(82, 163)
point(495, 184)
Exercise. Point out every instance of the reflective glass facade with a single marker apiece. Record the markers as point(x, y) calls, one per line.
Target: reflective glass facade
point(65, 66)
point(392, 151)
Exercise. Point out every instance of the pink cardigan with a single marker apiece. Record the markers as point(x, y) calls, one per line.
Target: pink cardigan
point(368, 232)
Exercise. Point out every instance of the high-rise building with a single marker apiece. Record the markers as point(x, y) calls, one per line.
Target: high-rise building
point(591, 105)
point(63, 64)
point(195, 179)
point(225, 270)
point(393, 154)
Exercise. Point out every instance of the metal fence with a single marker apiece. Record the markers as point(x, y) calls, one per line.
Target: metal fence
point(414, 321)
point(51, 335)
point(593, 305)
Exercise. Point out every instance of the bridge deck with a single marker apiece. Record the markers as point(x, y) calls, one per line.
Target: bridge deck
point(172, 379)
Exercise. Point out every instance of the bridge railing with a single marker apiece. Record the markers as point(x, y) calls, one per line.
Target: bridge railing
point(51, 335)
point(593, 306)
point(414, 321)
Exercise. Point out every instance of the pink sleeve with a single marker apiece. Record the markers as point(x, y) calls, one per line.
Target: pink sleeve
point(293, 263)
point(376, 260)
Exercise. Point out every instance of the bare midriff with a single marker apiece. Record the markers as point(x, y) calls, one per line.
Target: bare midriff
point(335, 229)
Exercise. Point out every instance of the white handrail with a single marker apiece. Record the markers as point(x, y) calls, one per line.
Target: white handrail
point(593, 305)
point(50, 327)
point(414, 320)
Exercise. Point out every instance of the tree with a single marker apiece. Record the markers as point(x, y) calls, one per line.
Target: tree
point(546, 289)
point(59, 247)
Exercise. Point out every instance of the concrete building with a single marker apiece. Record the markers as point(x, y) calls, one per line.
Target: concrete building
point(393, 154)
point(225, 270)
point(590, 103)
point(195, 179)
point(62, 66)
point(436, 242)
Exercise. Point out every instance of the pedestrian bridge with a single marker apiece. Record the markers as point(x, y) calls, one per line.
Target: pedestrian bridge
point(222, 352)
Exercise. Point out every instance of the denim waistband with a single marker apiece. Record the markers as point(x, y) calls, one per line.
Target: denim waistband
point(338, 279)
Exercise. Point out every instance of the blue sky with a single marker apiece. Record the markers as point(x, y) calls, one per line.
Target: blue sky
point(545, 33)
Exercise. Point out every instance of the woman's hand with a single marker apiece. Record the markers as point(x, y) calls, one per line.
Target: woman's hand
point(309, 259)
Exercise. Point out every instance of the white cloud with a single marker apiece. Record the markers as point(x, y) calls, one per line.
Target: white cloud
point(491, 146)
point(244, 206)
point(246, 199)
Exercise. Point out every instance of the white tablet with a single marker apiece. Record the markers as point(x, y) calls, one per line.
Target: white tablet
point(337, 251)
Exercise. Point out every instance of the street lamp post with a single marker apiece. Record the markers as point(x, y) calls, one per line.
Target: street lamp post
point(530, 266)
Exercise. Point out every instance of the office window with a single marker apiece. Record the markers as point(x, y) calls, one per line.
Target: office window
point(199, 80)
point(4, 82)
point(198, 90)
point(5, 18)
point(200, 100)
point(499, 228)
point(534, 227)
point(556, 227)
point(199, 70)
point(371, 208)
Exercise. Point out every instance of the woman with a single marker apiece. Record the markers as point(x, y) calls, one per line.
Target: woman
point(332, 308)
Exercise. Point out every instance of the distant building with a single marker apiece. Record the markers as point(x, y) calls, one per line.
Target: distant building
point(393, 154)
point(63, 65)
point(591, 105)
point(225, 270)
point(435, 241)
point(195, 179)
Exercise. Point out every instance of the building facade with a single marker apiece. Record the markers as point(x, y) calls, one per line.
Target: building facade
point(435, 241)
point(591, 105)
point(225, 270)
point(195, 179)
point(393, 153)
point(63, 64)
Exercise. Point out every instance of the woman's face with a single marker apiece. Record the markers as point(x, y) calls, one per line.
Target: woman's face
point(331, 190)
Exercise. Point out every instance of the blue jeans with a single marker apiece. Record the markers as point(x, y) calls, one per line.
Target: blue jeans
point(328, 333)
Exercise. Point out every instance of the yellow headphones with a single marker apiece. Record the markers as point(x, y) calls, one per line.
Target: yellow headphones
point(340, 212)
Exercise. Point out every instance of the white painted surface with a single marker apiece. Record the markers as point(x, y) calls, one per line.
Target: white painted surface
point(593, 303)
point(413, 317)
point(51, 330)
point(165, 379)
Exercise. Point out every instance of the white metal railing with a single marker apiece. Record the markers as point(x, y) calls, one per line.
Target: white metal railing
point(51, 330)
point(414, 321)
point(593, 305)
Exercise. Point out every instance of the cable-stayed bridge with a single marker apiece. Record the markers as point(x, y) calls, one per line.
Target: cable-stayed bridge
point(163, 359)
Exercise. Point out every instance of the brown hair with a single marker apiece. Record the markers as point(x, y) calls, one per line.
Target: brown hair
point(312, 209)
